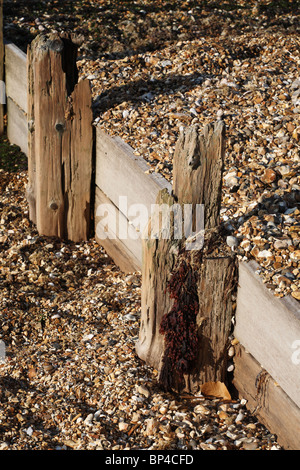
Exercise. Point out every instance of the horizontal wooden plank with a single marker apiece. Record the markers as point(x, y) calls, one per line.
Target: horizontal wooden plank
point(109, 221)
point(269, 328)
point(17, 129)
point(16, 75)
point(120, 173)
point(267, 400)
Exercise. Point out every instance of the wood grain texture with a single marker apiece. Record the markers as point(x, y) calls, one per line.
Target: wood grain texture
point(198, 159)
point(159, 257)
point(197, 169)
point(126, 252)
point(60, 144)
point(16, 75)
point(2, 95)
point(17, 132)
point(77, 162)
point(267, 327)
point(265, 399)
point(120, 173)
point(31, 186)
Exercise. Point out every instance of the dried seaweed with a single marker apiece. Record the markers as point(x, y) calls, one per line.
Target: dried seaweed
point(179, 325)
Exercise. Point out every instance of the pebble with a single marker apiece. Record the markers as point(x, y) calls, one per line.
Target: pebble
point(261, 159)
point(284, 243)
point(89, 419)
point(93, 398)
point(143, 391)
point(250, 445)
point(231, 241)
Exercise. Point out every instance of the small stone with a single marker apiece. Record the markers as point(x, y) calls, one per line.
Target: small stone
point(232, 241)
point(296, 294)
point(282, 244)
point(265, 254)
point(223, 415)
point(48, 367)
point(246, 245)
point(136, 417)
point(163, 410)
point(88, 420)
point(269, 176)
point(231, 180)
point(201, 409)
point(151, 427)
point(252, 445)
point(285, 170)
point(283, 96)
point(208, 446)
point(91, 77)
point(129, 317)
point(231, 435)
point(123, 426)
point(239, 417)
point(143, 391)
point(166, 63)
point(295, 255)
point(290, 127)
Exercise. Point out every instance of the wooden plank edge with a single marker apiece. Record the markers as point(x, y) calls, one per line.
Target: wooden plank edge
point(117, 142)
point(16, 85)
point(269, 328)
point(2, 90)
point(266, 400)
point(17, 128)
point(121, 173)
point(288, 301)
point(126, 253)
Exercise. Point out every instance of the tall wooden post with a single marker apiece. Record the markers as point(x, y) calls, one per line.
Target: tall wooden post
point(186, 314)
point(2, 86)
point(60, 139)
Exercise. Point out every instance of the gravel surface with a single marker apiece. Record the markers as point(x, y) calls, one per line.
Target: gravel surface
point(157, 67)
point(71, 379)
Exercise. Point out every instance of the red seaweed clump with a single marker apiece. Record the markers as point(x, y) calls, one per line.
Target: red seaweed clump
point(179, 327)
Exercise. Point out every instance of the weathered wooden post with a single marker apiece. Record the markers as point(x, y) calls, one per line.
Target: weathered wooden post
point(186, 316)
point(2, 90)
point(60, 139)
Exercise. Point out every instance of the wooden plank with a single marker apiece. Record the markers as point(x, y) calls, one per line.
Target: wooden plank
point(267, 400)
point(77, 162)
point(207, 146)
point(120, 173)
point(268, 328)
point(31, 186)
point(16, 75)
point(187, 306)
point(17, 130)
point(60, 159)
point(2, 86)
point(127, 252)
